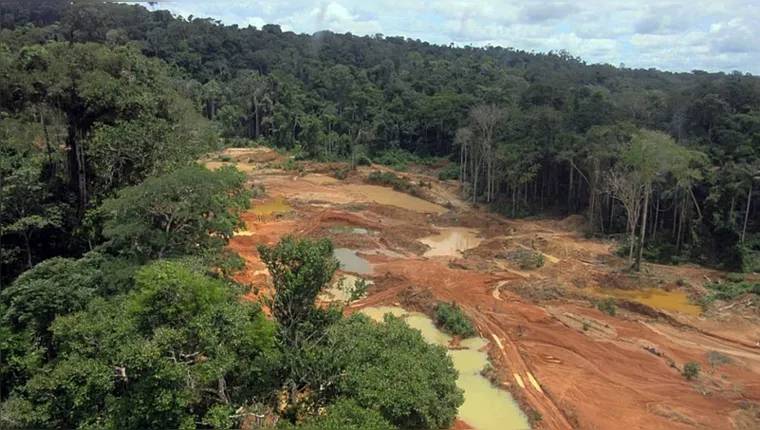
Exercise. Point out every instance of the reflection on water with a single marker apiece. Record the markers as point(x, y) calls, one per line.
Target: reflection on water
point(350, 262)
point(274, 206)
point(485, 407)
point(388, 196)
point(654, 297)
point(450, 241)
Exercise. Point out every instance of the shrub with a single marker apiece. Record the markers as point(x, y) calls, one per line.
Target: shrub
point(730, 290)
point(401, 167)
point(226, 158)
point(396, 158)
point(691, 370)
point(530, 259)
point(389, 179)
point(735, 277)
point(537, 416)
point(451, 171)
point(451, 319)
point(290, 165)
point(716, 359)
point(359, 289)
point(340, 173)
point(363, 160)
point(607, 306)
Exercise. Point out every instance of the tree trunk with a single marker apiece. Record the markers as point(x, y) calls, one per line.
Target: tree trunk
point(27, 242)
point(570, 190)
point(475, 182)
point(256, 120)
point(78, 180)
point(514, 202)
point(637, 266)
point(633, 241)
point(746, 214)
point(682, 213)
point(656, 217)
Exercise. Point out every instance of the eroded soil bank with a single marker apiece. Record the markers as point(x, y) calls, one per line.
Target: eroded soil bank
point(566, 364)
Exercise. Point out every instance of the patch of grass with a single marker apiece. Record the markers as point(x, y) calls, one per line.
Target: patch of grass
point(225, 158)
point(729, 290)
point(586, 326)
point(691, 370)
point(607, 306)
point(717, 359)
point(537, 416)
point(735, 277)
point(530, 260)
point(450, 318)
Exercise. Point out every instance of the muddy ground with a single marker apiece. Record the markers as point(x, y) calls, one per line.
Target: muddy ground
point(592, 370)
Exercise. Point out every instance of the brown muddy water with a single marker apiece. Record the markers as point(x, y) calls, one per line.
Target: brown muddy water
point(270, 207)
point(388, 196)
point(451, 241)
point(655, 297)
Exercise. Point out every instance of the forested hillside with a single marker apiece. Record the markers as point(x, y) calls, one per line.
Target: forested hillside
point(115, 311)
point(530, 132)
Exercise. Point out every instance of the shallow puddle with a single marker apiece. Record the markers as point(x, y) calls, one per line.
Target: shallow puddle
point(386, 252)
point(485, 407)
point(340, 290)
point(274, 206)
point(350, 262)
point(388, 196)
point(450, 241)
point(319, 179)
point(655, 297)
point(347, 229)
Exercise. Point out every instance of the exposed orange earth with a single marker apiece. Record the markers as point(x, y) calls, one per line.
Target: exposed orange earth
point(577, 367)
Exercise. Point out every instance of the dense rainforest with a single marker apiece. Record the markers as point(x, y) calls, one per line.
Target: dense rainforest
point(113, 297)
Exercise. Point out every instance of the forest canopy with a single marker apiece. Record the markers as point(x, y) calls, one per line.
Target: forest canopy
point(115, 310)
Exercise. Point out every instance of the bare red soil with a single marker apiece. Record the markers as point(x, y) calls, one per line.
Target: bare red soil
point(591, 370)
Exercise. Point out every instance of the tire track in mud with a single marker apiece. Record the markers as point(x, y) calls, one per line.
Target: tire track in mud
point(510, 353)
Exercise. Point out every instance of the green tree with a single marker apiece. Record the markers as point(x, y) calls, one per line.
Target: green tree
point(390, 368)
point(189, 211)
point(175, 351)
point(300, 269)
point(343, 414)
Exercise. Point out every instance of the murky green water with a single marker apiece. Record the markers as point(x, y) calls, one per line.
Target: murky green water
point(350, 262)
point(485, 407)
